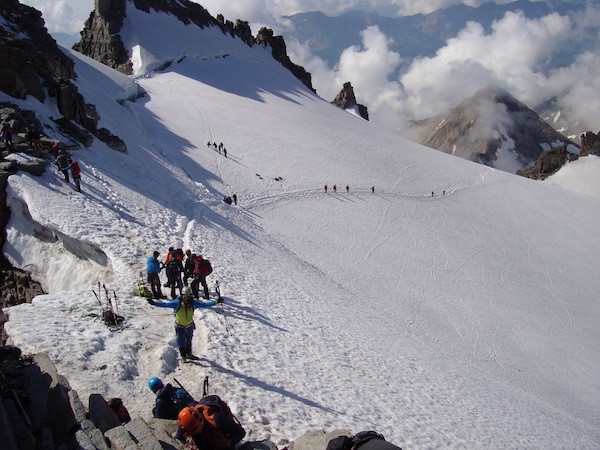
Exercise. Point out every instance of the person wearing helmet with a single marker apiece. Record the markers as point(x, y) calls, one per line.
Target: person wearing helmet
point(210, 426)
point(184, 307)
point(169, 399)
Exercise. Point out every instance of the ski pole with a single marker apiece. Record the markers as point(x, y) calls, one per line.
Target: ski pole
point(181, 386)
point(205, 390)
point(218, 289)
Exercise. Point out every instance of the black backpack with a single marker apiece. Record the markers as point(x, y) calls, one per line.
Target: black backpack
point(173, 268)
point(354, 442)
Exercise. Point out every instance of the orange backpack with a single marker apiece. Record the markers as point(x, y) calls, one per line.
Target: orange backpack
point(221, 427)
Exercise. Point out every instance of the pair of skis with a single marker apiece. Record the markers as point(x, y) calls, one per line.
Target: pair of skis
point(109, 312)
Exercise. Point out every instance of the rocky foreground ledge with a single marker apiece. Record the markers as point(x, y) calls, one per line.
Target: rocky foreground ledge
point(39, 410)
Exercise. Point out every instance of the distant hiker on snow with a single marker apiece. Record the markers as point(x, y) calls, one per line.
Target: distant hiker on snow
point(202, 269)
point(347, 188)
point(227, 199)
point(153, 268)
point(373, 189)
point(169, 399)
point(334, 188)
point(325, 187)
point(234, 196)
point(184, 307)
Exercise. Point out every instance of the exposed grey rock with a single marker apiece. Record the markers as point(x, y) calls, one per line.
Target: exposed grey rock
point(33, 64)
point(590, 144)
point(316, 439)
point(347, 100)
point(102, 416)
point(120, 439)
point(142, 434)
point(548, 163)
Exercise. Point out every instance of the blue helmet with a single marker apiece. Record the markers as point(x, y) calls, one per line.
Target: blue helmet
point(155, 384)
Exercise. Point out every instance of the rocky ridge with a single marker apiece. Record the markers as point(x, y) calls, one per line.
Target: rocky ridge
point(101, 41)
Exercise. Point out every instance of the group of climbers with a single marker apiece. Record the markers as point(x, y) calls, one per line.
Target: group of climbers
point(179, 268)
point(65, 164)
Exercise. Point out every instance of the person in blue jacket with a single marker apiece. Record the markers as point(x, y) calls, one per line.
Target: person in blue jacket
point(184, 307)
point(153, 268)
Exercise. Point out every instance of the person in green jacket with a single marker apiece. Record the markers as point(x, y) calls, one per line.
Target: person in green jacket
point(184, 307)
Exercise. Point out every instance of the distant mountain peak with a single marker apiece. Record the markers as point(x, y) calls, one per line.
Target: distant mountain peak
point(493, 128)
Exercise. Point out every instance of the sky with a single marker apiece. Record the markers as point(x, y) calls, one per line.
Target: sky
point(513, 55)
point(453, 307)
point(69, 15)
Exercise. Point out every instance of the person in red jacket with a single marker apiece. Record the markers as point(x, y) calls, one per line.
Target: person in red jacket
point(76, 172)
point(202, 269)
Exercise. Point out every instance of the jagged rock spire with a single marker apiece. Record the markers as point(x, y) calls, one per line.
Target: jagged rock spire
point(347, 100)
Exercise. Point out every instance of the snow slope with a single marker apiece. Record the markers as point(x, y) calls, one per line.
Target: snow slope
point(463, 319)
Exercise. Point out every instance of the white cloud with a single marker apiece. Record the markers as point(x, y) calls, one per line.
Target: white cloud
point(513, 56)
point(63, 16)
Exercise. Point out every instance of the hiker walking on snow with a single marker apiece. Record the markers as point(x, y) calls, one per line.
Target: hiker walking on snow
point(184, 307)
point(153, 268)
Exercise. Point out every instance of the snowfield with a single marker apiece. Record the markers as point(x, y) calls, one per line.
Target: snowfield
point(454, 307)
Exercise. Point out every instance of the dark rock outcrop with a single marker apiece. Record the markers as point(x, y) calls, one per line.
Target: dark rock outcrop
point(347, 100)
point(241, 29)
point(552, 161)
point(590, 144)
point(31, 63)
point(548, 163)
point(99, 38)
point(490, 120)
point(279, 51)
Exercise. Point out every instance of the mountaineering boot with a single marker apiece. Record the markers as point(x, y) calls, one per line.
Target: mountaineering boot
point(183, 353)
point(189, 353)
